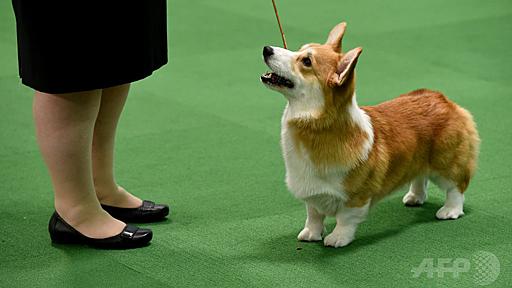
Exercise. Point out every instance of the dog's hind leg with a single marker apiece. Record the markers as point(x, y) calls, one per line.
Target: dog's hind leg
point(314, 226)
point(453, 205)
point(417, 193)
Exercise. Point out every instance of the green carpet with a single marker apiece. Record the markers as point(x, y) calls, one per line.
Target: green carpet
point(203, 135)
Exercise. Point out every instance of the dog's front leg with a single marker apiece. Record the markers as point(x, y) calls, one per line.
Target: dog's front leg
point(314, 226)
point(347, 220)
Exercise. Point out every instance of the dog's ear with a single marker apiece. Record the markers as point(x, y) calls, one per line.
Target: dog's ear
point(335, 36)
point(345, 66)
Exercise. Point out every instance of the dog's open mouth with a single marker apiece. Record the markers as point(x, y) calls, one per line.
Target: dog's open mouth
point(273, 79)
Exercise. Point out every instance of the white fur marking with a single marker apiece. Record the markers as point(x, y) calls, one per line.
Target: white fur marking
point(309, 103)
point(361, 119)
point(303, 178)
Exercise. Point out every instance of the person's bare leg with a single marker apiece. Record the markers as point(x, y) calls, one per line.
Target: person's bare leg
point(64, 129)
point(107, 190)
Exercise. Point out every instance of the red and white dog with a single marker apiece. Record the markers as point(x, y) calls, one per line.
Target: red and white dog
point(341, 158)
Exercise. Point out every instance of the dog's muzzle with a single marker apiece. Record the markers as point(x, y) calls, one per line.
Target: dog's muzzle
point(271, 78)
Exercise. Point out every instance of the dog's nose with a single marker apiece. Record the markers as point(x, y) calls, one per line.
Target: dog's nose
point(267, 52)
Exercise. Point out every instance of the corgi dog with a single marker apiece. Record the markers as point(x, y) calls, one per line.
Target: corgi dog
point(341, 158)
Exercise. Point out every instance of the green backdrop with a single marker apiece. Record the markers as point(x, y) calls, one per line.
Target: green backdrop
point(203, 135)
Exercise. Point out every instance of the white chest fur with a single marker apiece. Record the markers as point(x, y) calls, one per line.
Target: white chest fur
point(303, 178)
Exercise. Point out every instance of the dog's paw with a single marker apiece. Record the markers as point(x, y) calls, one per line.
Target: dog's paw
point(411, 199)
point(337, 240)
point(309, 235)
point(449, 213)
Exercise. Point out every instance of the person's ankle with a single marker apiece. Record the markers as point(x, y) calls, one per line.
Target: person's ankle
point(106, 190)
point(117, 197)
point(77, 214)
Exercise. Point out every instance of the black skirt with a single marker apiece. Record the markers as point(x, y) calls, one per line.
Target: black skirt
point(70, 46)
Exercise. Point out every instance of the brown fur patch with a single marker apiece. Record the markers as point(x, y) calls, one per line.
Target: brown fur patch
point(418, 133)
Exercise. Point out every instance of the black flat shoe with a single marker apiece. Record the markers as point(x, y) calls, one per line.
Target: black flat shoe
point(131, 236)
point(147, 212)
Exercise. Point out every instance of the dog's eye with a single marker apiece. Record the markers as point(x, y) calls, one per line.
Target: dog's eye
point(306, 61)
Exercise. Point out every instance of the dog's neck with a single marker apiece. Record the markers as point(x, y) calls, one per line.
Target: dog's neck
point(311, 112)
point(309, 105)
point(346, 130)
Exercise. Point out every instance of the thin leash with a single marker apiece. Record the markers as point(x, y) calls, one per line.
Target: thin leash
point(279, 23)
